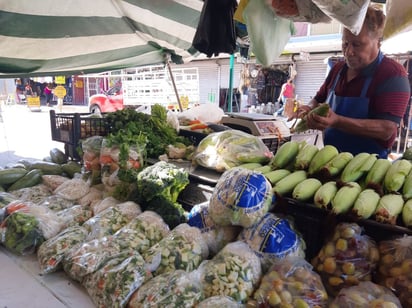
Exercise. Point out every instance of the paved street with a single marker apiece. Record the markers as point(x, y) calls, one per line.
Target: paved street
point(27, 134)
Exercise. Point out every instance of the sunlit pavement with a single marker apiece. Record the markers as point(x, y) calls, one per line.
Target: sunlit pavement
point(26, 133)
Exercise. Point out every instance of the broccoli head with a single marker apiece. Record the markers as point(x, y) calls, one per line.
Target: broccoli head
point(172, 213)
point(161, 179)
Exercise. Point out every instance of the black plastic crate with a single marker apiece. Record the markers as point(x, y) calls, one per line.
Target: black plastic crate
point(274, 144)
point(70, 128)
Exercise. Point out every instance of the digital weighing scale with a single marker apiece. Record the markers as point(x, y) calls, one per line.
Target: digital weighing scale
point(257, 124)
point(271, 130)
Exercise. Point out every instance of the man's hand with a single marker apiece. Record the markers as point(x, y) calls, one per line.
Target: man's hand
point(315, 121)
point(301, 112)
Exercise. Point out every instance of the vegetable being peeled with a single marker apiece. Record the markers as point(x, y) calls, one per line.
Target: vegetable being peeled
point(322, 110)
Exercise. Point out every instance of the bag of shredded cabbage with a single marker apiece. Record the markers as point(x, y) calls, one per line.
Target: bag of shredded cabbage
point(272, 239)
point(215, 236)
point(241, 197)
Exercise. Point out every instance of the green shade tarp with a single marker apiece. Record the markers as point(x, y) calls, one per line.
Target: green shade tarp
point(56, 37)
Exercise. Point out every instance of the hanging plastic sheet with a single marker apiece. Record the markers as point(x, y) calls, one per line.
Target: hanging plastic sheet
point(398, 17)
point(350, 13)
point(268, 33)
point(302, 10)
point(216, 30)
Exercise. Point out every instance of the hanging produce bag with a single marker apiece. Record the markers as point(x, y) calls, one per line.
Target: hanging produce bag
point(398, 17)
point(302, 10)
point(350, 13)
point(268, 33)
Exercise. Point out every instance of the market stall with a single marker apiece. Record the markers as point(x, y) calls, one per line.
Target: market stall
point(136, 212)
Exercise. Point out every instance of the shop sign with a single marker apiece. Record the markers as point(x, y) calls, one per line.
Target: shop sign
point(60, 91)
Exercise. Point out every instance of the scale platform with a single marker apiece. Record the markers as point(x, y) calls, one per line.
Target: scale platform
point(257, 124)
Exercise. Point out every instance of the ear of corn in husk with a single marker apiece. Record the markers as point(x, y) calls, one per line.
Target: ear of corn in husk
point(366, 203)
point(407, 213)
point(276, 175)
point(407, 187)
point(305, 155)
point(321, 158)
point(324, 195)
point(285, 154)
point(302, 125)
point(345, 197)
point(263, 169)
point(376, 174)
point(396, 175)
point(388, 209)
point(306, 189)
point(287, 184)
point(250, 166)
point(358, 166)
point(334, 167)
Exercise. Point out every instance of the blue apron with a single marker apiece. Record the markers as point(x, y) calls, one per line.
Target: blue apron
point(353, 107)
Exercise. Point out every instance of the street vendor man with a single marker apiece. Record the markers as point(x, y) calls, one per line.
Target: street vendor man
point(368, 93)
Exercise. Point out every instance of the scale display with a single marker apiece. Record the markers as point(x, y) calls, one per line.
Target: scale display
point(257, 124)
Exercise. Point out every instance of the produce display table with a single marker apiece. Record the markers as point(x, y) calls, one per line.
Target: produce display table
point(22, 286)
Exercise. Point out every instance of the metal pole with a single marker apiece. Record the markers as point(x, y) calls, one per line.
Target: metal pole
point(174, 84)
point(229, 101)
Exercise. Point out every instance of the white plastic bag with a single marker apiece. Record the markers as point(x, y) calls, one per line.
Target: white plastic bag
point(350, 13)
point(398, 17)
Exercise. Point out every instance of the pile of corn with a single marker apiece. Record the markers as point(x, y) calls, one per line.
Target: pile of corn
point(362, 185)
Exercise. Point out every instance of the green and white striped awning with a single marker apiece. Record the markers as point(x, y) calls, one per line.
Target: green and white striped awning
point(55, 37)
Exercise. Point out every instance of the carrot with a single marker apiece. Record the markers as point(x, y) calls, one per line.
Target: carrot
point(106, 159)
point(198, 126)
point(191, 122)
point(13, 207)
point(134, 164)
point(52, 262)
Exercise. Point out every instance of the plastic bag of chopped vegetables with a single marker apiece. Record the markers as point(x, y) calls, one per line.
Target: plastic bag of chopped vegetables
point(183, 248)
point(28, 225)
point(272, 239)
point(366, 294)
point(111, 219)
point(347, 258)
point(291, 281)
point(235, 271)
point(395, 267)
point(175, 289)
point(51, 252)
point(142, 232)
point(89, 256)
point(76, 215)
point(91, 159)
point(114, 283)
point(215, 236)
point(219, 301)
point(241, 197)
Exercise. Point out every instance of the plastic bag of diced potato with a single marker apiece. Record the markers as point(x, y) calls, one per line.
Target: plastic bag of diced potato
point(235, 272)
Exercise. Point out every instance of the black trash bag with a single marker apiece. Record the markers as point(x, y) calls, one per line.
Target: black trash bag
point(216, 31)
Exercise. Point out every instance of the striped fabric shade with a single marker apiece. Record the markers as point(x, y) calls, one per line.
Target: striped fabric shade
point(61, 37)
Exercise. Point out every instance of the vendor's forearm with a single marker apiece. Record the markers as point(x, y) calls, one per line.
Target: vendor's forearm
point(371, 128)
